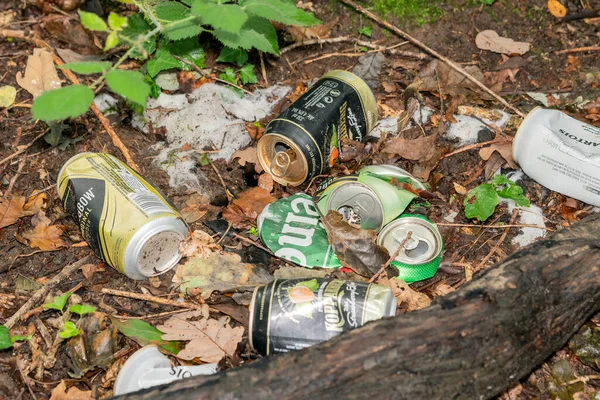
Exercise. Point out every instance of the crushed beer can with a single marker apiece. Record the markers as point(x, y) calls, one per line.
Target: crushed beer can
point(293, 314)
point(124, 219)
point(304, 140)
point(561, 153)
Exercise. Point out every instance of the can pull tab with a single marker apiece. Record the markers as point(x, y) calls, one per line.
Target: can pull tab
point(415, 246)
point(282, 161)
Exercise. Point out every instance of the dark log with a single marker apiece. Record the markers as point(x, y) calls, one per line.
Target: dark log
point(471, 344)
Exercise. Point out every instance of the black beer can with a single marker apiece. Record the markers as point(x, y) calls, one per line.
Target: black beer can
point(292, 314)
point(304, 140)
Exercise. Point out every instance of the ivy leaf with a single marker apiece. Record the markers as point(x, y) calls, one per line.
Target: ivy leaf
point(190, 50)
point(69, 330)
point(226, 17)
point(130, 85)
point(20, 338)
point(280, 11)
point(229, 55)
point(112, 40)
point(481, 202)
point(365, 30)
point(87, 67)
point(162, 60)
point(63, 103)
point(247, 74)
point(228, 75)
point(145, 334)
point(136, 26)
point(5, 342)
point(256, 33)
point(501, 180)
point(116, 22)
point(172, 11)
point(514, 192)
point(92, 22)
point(82, 309)
point(58, 303)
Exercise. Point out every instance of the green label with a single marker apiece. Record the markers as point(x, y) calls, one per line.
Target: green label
point(291, 229)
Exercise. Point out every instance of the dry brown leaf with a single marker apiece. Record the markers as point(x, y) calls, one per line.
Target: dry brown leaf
point(89, 269)
point(301, 34)
point(243, 211)
point(423, 149)
point(255, 130)
point(490, 40)
point(198, 244)
point(44, 236)
point(493, 164)
point(60, 392)
point(460, 189)
point(6, 17)
point(11, 209)
point(40, 73)
point(556, 8)
point(406, 296)
point(387, 111)
point(265, 181)
point(389, 87)
point(505, 150)
point(442, 289)
point(248, 155)
point(437, 74)
point(210, 339)
point(195, 207)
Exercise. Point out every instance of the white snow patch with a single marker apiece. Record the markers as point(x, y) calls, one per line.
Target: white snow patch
point(105, 102)
point(212, 117)
point(466, 127)
point(421, 115)
point(451, 216)
point(383, 126)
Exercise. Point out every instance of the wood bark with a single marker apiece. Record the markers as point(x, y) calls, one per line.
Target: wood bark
point(471, 344)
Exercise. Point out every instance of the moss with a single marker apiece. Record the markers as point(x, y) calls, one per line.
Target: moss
point(419, 11)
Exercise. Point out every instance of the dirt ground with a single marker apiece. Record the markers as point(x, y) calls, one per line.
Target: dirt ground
point(576, 75)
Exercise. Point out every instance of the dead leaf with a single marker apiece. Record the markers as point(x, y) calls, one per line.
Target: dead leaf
point(40, 73)
point(556, 8)
point(235, 311)
point(437, 74)
point(255, 130)
point(66, 29)
point(302, 34)
point(290, 272)
point(265, 181)
point(460, 189)
point(89, 269)
point(11, 209)
point(60, 392)
point(495, 162)
point(442, 289)
point(44, 236)
point(243, 210)
point(490, 40)
point(355, 248)
point(369, 67)
point(387, 111)
point(505, 150)
point(210, 339)
point(196, 206)
point(423, 149)
point(198, 244)
point(6, 17)
point(221, 272)
point(406, 296)
point(389, 87)
point(248, 155)
point(8, 94)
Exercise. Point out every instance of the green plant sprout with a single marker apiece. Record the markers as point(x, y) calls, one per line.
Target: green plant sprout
point(481, 201)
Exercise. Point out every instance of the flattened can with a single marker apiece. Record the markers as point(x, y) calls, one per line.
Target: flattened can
point(560, 153)
point(304, 140)
point(292, 314)
point(421, 254)
point(124, 219)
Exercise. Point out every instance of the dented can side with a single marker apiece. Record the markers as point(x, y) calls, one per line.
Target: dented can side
point(561, 153)
point(293, 314)
point(304, 140)
point(124, 219)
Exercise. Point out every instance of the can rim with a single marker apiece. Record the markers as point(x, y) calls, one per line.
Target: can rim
point(261, 147)
point(356, 183)
point(251, 317)
point(524, 125)
point(422, 222)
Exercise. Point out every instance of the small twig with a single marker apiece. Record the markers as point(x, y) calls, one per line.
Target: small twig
point(39, 295)
point(495, 226)
point(26, 379)
point(152, 299)
point(116, 140)
point(579, 50)
point(14, 178)
point(378, 50)
point(198, 70)
point(475, 146)
point(23, 256)
point(21, 35)
point(262, 68)
point(497, 246)
point(227, 191)
point(583, 379)
point(428, 49)
point(43, 330)
point(22, 150)
point(152, 316)
point(392, 257)
point(224, 235)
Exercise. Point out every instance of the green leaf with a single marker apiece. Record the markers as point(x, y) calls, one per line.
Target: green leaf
point(365, 30)
point(69, 330)
point(130, 85)
point(58, 303)
point(20, 338)
point(92, 22)
point(501, 180)
point(82, 309)
point(280, 11)
point(228, 75)
point(257, 33)
point(226, 17)
point(63, 103)
point(116, 22)
point(87, 67)
point(145, 334)
point(5, 342)
point(162, 60)
point(229, 55)
point(481, 202)
point(252, 231)
point(154, 88)
point(188, 49)
point(137, 26)
point(112, 40)
point(508, 189)
point(247, 74)
point(487, 2)
point(171, 12)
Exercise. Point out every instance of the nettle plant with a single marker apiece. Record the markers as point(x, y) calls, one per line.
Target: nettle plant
point(165, 35)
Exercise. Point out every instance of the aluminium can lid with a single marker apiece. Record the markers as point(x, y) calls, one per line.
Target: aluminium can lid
point(358, 204)
point(424, 244)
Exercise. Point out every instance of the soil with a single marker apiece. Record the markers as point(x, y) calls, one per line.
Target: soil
point(540, 70)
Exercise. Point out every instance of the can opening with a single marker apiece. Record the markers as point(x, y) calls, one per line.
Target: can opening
point(417, 249)
point(284, 157)
point(159, 253)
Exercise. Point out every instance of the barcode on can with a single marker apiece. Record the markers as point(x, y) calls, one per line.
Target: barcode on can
point(148, 202)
